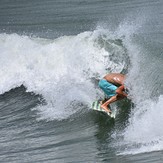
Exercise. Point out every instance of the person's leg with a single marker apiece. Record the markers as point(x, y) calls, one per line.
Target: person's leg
point(111, 100)
point(110, 90)
point(105, 104)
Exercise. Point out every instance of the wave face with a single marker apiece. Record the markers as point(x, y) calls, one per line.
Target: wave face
point(60, 75)
point(143, 131)
point(65, 72)
point(61, 70)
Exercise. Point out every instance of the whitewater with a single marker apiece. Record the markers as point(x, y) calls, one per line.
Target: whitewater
point(56, 79)
point(62, 71)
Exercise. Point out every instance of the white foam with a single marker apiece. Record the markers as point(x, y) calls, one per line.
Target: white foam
point(60, 69)
point(144, 131)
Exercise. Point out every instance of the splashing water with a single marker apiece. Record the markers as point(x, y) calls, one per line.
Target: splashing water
point(60, 70)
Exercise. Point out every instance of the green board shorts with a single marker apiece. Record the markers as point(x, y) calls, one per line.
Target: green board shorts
point(108, 88)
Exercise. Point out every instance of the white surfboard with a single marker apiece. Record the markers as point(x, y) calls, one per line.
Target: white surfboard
point(97, 106)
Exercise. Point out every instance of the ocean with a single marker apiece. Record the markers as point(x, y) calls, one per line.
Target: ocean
point(52, 55)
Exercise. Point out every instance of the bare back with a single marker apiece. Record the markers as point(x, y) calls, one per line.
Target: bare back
point(115, 78)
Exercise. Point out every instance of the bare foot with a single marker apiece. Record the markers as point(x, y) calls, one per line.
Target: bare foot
point(105, 108)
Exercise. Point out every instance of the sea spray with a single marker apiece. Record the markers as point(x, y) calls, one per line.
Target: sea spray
point(61, 70)
point(143, 132)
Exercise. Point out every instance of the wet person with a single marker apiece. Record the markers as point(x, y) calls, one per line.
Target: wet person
point(113, 86)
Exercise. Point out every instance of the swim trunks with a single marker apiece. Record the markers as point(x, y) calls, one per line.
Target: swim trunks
point(108, 88)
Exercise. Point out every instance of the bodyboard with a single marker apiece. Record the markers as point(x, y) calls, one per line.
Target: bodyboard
point(97, 106)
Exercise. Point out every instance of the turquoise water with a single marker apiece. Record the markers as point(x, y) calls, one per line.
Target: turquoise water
point(52, 55)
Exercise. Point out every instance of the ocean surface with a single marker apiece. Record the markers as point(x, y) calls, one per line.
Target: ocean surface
point(52, 55)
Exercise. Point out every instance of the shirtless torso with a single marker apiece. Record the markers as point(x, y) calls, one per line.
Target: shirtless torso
point(115, 78)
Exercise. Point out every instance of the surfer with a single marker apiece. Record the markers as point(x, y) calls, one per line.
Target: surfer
point(113, 86)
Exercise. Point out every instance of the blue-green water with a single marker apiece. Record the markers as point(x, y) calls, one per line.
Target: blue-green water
point(52, 54)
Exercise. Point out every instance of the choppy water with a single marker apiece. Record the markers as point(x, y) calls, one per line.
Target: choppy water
point(52, 54)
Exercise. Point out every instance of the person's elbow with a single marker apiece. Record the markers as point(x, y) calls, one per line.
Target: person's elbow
point(118, 91)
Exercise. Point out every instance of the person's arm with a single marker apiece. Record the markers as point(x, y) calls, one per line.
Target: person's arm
point(120, 91)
